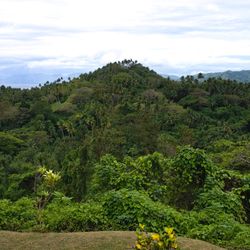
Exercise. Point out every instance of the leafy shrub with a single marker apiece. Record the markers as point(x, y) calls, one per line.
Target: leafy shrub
point(218, 201)
point(217, 227)
point(242, 239)
point(146, 173)
point(187, 176)
point(227, 233)
point(69, 216)
point(17, 216)
point(216, 233)
point(126, 209)
point(107, 173)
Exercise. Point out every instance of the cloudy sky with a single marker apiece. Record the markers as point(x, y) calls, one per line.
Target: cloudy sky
point(43, 39)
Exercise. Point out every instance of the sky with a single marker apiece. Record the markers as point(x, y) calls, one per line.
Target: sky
point(41, 40)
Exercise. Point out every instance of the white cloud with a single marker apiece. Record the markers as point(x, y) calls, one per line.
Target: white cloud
point(180, 35)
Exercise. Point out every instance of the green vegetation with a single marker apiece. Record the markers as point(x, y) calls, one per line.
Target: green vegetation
point(240, 76)
point(122, 146)
point(165, 239)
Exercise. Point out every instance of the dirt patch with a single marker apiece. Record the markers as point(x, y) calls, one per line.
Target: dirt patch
point(109, 240)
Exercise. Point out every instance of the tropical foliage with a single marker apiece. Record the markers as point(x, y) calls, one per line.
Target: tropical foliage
point(121, 146)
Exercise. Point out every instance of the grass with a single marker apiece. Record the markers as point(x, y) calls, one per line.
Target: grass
point(87, 240)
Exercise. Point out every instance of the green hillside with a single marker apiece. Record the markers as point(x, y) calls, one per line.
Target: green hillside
point(239, 76)
point(123, 145)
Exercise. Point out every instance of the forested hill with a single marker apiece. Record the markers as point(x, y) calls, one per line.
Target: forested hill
point(100, 131)
point(126, 95)
point(239, 76)
point(124, 109)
